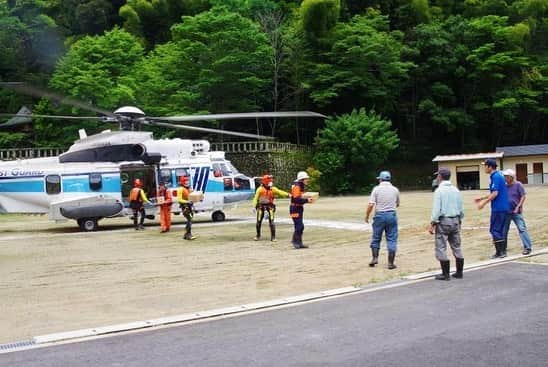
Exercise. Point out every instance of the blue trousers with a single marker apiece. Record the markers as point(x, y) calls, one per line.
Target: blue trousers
point(522, 229)
point(496, 227)
point(386, 222)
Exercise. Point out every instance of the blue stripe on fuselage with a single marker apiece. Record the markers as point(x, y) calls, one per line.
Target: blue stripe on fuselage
point(81, 184)
point(22, 185)
point(70, 183)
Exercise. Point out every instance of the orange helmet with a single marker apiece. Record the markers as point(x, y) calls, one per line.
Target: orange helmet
point(137, 183)
point(266, 179)
point(183, 180)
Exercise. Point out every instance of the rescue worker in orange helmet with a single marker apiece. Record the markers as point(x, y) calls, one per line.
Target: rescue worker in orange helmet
point(263, 201)
point(187, 207)
point(165, 199)
point(296, 208)
point(137, 198)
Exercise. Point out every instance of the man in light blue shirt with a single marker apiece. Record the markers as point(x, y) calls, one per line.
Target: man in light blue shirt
point(445, 222)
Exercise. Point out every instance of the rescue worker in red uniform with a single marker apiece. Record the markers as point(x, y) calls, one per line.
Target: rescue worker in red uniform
point(165, 199)
point(296, 208)
point(263, 202)
point(187, 207)
point(137, 198)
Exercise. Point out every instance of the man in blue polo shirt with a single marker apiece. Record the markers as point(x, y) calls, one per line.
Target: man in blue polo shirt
point(498, 197)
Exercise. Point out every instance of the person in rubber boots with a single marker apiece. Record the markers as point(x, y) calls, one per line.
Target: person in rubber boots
point(165, 199)
point(137, 198)
point(296, 208)
point(187, 207)
point(263, 202)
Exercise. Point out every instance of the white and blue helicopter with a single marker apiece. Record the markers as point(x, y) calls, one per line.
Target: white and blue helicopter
point(92, 180)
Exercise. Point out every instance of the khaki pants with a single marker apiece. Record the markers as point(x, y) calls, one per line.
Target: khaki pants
point(448, 231)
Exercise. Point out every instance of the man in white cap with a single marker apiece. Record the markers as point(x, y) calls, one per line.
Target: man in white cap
point(516, 197)
point(385, 198)
point(296, 208)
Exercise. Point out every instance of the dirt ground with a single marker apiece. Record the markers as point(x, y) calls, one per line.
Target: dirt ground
point(54, 278)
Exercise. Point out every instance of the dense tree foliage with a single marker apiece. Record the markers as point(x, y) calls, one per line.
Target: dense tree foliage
point(451, 76)
point(350, 147)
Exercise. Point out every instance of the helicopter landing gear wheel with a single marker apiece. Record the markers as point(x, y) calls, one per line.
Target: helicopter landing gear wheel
point(88, 224)
point(218, 216)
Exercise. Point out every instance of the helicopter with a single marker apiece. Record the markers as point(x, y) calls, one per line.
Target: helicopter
point(92, 180)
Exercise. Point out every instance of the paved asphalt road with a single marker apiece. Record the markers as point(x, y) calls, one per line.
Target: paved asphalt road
point(493, 317)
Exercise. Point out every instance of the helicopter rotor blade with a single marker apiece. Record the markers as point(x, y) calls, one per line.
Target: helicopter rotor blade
point(238, 116)
point(52, 116)
point(205, 129)
point(38, 92)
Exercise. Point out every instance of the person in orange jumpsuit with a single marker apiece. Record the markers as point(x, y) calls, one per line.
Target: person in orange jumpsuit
point(187, 207)
point(137, 198)
point(263, 201)
point(165, 199)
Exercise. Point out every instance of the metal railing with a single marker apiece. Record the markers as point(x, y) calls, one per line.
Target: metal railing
point(25, 153)
point(228, 147)
point(259, 146)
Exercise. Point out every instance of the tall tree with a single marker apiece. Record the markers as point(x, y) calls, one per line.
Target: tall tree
point(152, 19)
point(218, 62)
point(96, 70)
point(364, 66)
point(350, 148)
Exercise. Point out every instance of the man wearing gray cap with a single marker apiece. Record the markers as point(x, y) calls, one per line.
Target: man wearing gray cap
point(516, 197)
point(385, 198)
point(445, 223)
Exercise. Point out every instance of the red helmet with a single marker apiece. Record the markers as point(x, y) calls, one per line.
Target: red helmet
point(266, 179)
point(183, 180)
point(137, 183)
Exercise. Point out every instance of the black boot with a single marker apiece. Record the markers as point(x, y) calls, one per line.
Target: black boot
point(444, 271)
point(258, 228)
point(295, 242)
point(374, 257)
point(391, 257)
point(460, 266)
point(503, 248)
point(272, 233)
point(496, 255)
point(299, 238)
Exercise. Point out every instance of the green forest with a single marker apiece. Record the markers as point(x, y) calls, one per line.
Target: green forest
point(399, 79)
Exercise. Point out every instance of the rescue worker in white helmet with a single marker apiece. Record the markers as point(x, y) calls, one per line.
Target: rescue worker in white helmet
point(137, 198)
point(263, 202)
point(296, 208)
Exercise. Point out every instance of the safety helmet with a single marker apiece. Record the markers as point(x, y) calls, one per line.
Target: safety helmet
point(137, 183)
point(183, 180)
point(266, 179)
point(302, 175)
point(384, 176)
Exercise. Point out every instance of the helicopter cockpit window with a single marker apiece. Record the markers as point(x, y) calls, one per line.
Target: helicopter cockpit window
point(53, 184)
point(217, 172)
point(95, 181)
point(228, 184)
point(225, 170)
point(232, 169)
point(165, 176)
point(242, 183)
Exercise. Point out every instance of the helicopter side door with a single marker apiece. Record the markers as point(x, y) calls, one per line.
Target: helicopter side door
point(145, 173)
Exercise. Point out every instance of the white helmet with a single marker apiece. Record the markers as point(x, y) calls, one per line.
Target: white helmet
point(302, 175)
